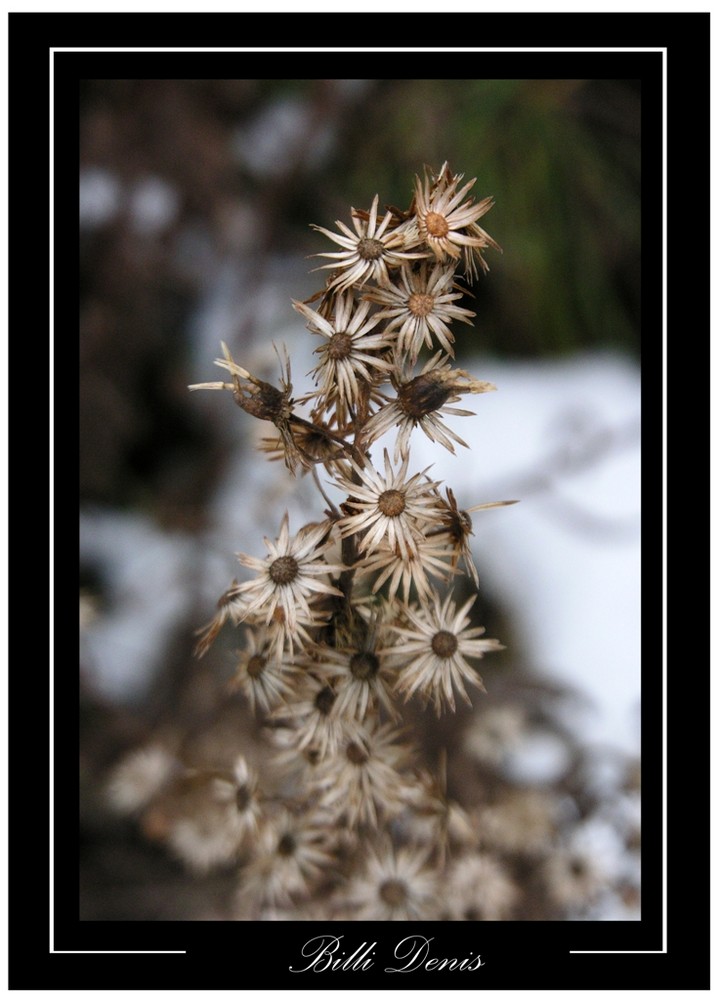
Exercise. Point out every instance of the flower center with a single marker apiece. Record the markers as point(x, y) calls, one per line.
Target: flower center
point(393, 892)
point(283, 570)
point(370, 249)
point(355, 754)
point(577, 867)
point(339, 346)
point(391, 503)
point(256, 665)
point(436, 225)
point(286, 845)
point(444, 644)
point(420, 304)
point(324, 700)
point(364, 665)
point(243, 798)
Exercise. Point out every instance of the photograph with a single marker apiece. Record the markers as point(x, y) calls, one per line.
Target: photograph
point(371, 554)
point(360, 499)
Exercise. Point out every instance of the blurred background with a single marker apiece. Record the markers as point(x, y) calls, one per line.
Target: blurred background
point(196, 199)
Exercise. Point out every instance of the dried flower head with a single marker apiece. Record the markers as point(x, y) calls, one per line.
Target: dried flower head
point(434, 652)
point(419, 402)
point(288, 578)
point(364, 780)
point(261, 400)
point(368, 252)
point(421, 307)
point(444, 222)
point(391, 508)
point(139, 776)
point(351, 358)
point(403, 570)
point(290, 855)
point(458, 525)
point(210, 813)
point(359, 671)
point(312, 715)
point(396, 884)
point(228, 608)
point(480, 887)
point(262, 673)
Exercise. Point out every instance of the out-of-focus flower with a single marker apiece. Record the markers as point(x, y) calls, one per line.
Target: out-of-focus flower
point(289, 856)
point(479, 887)
point(363, 780)
point(209, 814)
point(139, 777)
point(493, 733)
point(522, 821)
point(396, 884)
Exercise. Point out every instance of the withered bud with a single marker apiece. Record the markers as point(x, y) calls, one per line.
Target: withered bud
point(432, 389)
point(258, 398)
point(262, 400)
point(423, 394)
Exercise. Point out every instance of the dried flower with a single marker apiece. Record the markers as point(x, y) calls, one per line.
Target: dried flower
point(458, 525)
point(443, 221)
point(348, 363)
point(209, 814)
point(419, 308)
point(227, 608)
point(290, 854)
point(419, 401)
point(396, 884)
point(392, 508)
point(261, 400)
point(359, 671)
point(480, 888)
point(262, 674)
point(368, 252)
point(138, 777)
point(407, 569)
point(287, 579)
point(434, 652)
point(312, 715)
point(363, 779)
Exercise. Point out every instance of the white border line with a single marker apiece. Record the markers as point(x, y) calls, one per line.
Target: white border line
point(664, 529)
point(320, 49)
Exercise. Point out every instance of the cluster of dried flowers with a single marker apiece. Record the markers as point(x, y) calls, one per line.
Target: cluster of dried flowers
point(354, 615)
